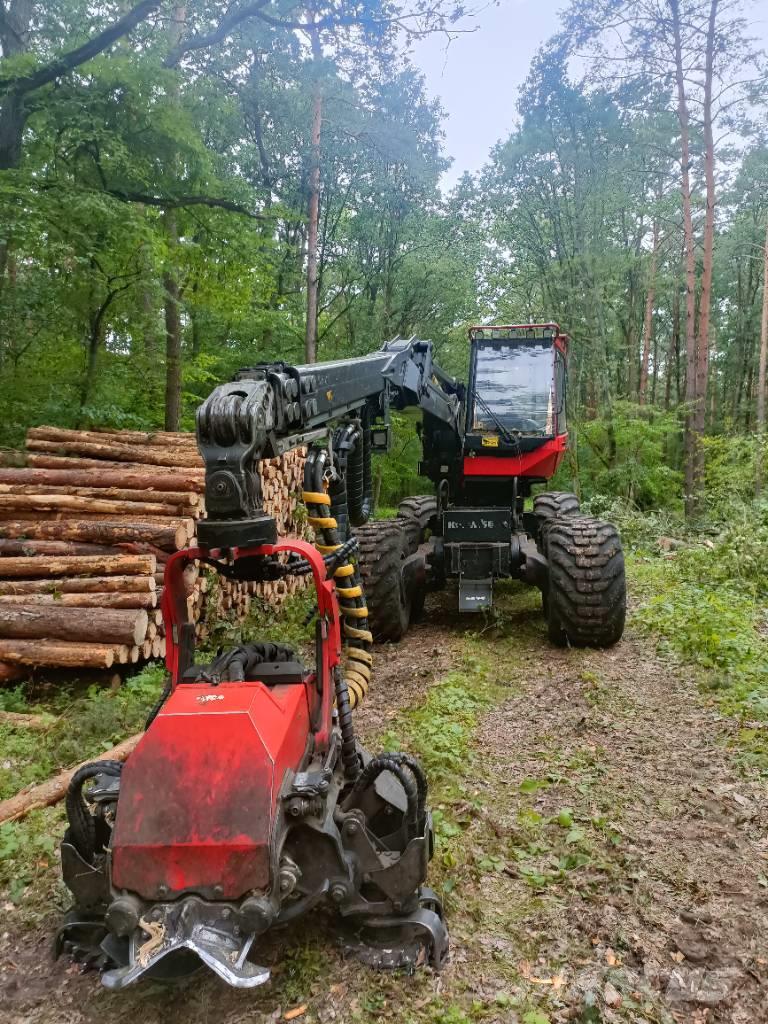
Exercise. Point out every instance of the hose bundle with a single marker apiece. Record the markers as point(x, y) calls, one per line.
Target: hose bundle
point(82, 824)
point(329, 515)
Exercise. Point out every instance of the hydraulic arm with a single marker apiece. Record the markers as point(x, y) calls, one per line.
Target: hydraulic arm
point(271, 408)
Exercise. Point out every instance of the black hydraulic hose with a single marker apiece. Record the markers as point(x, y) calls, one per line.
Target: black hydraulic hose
point(417, 772)
point(81, 822)
point(328, 512)
point(360, 479)
point(350, 758)
point(391, 763)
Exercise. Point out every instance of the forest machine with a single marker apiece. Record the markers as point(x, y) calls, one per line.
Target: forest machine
point(248, 801)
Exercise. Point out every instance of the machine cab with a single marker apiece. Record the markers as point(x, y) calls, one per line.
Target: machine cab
point(516, 383)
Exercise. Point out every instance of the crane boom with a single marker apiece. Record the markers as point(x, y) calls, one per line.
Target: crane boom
point(273, 407)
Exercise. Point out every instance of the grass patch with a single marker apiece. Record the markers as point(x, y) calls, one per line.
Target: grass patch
point(81, 727)
point(706, 605)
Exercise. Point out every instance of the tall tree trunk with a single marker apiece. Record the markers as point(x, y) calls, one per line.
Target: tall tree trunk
point(170, 281)
point(14, 39)
point(705, 299)
point(760, 420)
point(172, 351)
point(673, 353)
point(683, 116)
point(650, 299)
point(313, 222)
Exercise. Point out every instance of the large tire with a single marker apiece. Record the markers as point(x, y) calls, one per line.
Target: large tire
point(554, 503)
point(416, 515)
point(383, 548)
point(587, 597)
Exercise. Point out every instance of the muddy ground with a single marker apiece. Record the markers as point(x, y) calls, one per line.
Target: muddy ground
point(602, 856)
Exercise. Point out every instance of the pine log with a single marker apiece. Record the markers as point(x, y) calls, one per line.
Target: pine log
point(92, 625)
point(67, 503)
point(78, 565)
point(84, 585)
point(18, 720)
point(55, 789)
point(10, 673)
point(27, 548)
point(115, 452)
point(178, 499)
point(161, 438)
point(47, 469)
point(56, 653)
point(151, 437)
point(171, 537)
point(113, 600)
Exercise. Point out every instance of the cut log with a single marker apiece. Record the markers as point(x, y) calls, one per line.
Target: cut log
point(55, 789)
point(66, 503)
point(91, 625)
point(81, 600)
point(172, 537)
point(59, 547)
point(56, 653)
point(113, 451)
point(78, 565)
point(18, 720)
point(141, 496)
point(10, 673)
point(86, 472)
point(163, 438)
point(84, 585)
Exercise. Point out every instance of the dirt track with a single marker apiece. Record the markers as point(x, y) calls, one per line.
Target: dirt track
point(607, 861)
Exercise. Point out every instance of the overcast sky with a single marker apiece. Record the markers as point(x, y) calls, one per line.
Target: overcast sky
point(478, 76)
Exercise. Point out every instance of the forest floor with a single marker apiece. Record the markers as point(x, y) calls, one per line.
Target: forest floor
point(601, 853)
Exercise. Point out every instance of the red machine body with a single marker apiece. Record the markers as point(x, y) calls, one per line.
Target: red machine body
point(218, 755)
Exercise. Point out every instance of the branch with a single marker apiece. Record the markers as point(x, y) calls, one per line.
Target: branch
point(176, 202)
point(69, 61)
point(227, 24)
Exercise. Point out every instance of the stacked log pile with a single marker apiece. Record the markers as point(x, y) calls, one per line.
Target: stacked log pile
point(85, 530)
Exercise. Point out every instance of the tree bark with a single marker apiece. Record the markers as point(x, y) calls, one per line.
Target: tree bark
point(177, 477)
point(156, 439)
point(113, 450)
point(91, 625)
point(57, 653)
point(170, 281)
point(172, 537)
point(761, 374)
point(650, 299)
point(27, 548)
point(9, 503)
point(705, 300)
point(172, 346)
point(187, 501)
point(313, 222)
point(683, 116)
point(55, 789)
point(120, 601)
point(22, 721)
point(86, 585)
point(84, 565)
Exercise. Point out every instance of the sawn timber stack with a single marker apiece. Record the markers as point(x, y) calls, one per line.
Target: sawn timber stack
point(86, 528)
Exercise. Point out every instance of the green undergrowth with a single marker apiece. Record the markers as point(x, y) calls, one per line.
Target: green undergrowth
point(294, 625)
point(82, 726)
point(705, 597)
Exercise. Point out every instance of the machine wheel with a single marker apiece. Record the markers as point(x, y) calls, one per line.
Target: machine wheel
point(587, 600)
point(383, 548)
point(554, 503)
point(416, 514)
